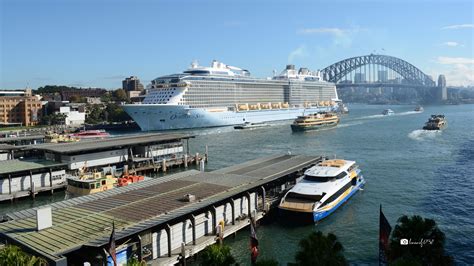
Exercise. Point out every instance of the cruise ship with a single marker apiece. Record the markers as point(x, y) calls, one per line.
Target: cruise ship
point(223, 95)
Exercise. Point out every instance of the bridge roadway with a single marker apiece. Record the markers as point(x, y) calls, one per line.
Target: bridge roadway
point(152, 218)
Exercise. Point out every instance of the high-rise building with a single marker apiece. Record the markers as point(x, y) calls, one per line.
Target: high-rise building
point(383, 75)
point(359, 77)
point(19, 108)
point(442, 87)
point(132, 84)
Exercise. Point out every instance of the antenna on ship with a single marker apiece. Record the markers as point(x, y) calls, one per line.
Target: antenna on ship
point(274, 72)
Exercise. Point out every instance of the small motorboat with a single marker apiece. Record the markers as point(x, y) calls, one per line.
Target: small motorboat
point(249, 125)
point(388, 112)
point(419, 109)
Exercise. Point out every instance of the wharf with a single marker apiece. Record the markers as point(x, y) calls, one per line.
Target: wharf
point(140, 153)
point(157, 220)
point(22, 140)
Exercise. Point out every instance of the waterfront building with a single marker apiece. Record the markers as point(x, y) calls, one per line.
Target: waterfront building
point(19, 108)
point(91, 92)
point(74, 116)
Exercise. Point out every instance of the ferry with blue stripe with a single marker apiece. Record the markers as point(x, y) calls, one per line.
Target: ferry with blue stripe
point(322, 189)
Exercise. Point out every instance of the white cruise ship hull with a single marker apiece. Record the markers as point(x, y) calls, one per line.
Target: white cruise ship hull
point(152, 117)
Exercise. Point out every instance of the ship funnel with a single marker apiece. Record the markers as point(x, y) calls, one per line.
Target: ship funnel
point(290, 67)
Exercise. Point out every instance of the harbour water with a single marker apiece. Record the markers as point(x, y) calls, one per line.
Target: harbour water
point(408, 170)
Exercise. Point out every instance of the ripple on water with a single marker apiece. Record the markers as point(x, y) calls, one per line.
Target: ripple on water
point(421, 134)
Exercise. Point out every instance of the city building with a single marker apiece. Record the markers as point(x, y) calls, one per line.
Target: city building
point(67, 94)
point(132, 84)
point(19, 108)
point(442, 87)
point(93, 100)
point(359, 77)
point(383, 75)
point(74, 116)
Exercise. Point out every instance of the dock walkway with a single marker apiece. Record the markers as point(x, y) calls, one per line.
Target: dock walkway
point(152, 218)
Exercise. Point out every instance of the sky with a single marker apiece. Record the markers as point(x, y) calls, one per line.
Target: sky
point(97, 43)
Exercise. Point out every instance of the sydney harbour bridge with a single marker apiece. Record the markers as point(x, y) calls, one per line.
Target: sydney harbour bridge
point(381, 78)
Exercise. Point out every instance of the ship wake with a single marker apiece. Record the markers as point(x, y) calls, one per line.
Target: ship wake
point(421, 134)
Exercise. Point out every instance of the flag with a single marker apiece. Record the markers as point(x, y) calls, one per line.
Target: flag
point(253, 241)
point(384, 233)
point(112, 245)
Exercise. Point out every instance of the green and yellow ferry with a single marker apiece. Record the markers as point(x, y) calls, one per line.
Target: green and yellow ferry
point(315, 121)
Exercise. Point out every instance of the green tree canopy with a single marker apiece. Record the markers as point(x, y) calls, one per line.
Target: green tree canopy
point(216, 255)
point(426, 243)
point(120, 95)
point(13, 255)
point(319, 249)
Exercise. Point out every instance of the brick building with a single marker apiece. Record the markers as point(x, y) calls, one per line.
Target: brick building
point(19, 108)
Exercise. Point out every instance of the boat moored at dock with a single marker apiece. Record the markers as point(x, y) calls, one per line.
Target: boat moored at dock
point(435, 122)
point(90, 134)
point(322, 190)
point(315, 121)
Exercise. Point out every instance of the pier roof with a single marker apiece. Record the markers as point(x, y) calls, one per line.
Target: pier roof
point(19, 166)
point(107, 143)
point(20, 138)
point(86, 221)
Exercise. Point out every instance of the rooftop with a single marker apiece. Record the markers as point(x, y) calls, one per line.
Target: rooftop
point(107, 143)
point(17, 166)
point(20, 138)
point(86, 221)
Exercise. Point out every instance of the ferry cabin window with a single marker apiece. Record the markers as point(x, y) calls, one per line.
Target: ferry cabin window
point(324, 178)
point(103, 182)
point(337, 194)
point(303, 197)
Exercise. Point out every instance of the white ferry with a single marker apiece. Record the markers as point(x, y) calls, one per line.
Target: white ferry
point(223, 95)
point(322, 190)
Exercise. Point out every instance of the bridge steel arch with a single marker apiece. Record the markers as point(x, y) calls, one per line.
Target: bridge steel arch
point(409, 72)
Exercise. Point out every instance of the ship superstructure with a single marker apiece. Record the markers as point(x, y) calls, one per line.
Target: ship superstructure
point(222, 95)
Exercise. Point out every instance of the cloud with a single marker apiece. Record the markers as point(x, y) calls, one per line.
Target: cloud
point(451, 44)
point(458, 26)
point(459, 71)
point(299, 52)
point(332, 31)
point(341, 37)
point(454, 60)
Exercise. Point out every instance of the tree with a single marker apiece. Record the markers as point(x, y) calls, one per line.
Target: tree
point(95, 114)
point(425, 242)
point(319, 249)
point(120, 95)
point(77, 99)
point(53, 119)
point(115, 113)
point(13, 255)
point(216, 255)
